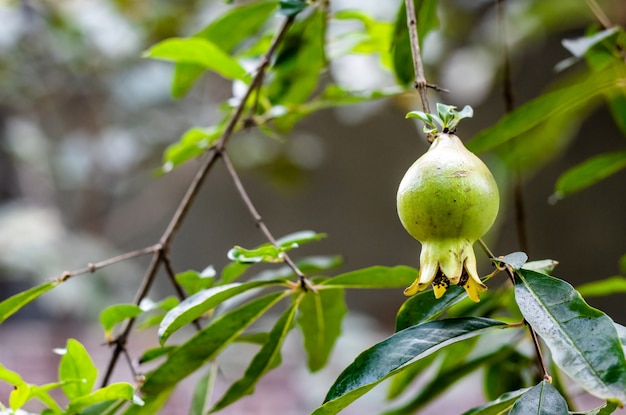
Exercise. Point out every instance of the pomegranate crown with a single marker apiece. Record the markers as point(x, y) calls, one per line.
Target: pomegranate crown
point(447, 118)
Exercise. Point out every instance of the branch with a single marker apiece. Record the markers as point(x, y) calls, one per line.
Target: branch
point(258, 220)
point(191, 193)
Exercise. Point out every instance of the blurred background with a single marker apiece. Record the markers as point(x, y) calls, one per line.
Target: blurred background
point(84, 121)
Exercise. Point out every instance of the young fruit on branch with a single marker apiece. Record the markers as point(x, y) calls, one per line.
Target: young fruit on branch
point(447, 200)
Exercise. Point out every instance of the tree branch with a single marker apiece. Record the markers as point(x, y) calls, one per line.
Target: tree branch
point(258, 220)
point(191, 193)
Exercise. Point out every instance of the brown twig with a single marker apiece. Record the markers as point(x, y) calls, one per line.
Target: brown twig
point(192, 191)
point(599, 13)
point(258, 220)
point(169, 269)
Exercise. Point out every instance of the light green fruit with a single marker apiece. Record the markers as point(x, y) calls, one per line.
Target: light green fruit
point(447, 200)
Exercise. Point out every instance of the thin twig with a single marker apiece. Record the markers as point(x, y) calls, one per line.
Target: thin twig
point(418, 66)
point(509, 106)
point(258, 220)
point(93, 267)
point(599, 13)
point(191, 193)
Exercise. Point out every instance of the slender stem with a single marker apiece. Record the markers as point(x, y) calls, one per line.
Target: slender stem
point(509, 105)
point(93, 267)
point(542, 362)
point(418, 66)
point(192, 191)
point(258, 220)
point(599, 13)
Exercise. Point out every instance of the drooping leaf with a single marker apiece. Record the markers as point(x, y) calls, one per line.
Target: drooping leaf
point(262, 362)
point(542, 399)
point(545, 107)
point(374, 277)
point(77, 371)
point(202, 391)
point(424, 306)
point(427, 21)
point(583, 340)
point(196, 305)
point(111, 392)
point(197, 51)
point(320, 319)
point(590, 172)
point(608, 286)
point(204, 346)
point(12, 304)
point(498, 406)
point(396, 353)
point(115, 314)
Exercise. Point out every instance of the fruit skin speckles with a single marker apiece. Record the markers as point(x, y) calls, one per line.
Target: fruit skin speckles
point(447, 200)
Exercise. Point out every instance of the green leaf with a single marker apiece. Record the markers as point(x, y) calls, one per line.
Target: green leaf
point(153, 354)
point(197, 51)
point(104, 408)
point(590, 172)
point(21, 390)
point(401, 381)
point(233, 271)
point(192, 144)
point(543, 266)
point(292, 7)
point(320, 319)
point(544, 108)
point(12, 304)
point(613, 285)
point(375, 38)
point(294, 240)
point(373, 277)
point(396, 353)
point(202, 392)
point(427, 20)
point(265, 253)
point(115, 314)
point(111, 392)
point(583, 340)
point(424, 306)
point(77, 371)
point(262, 362)
point(193, 282)
point(607, 409)
point(196, 305)
point(498, 406)
point(299, 61)
point(542, 399)
point(206, 344)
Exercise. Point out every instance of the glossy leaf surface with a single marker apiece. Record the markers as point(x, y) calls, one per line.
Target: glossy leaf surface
point(542, 399)
point(12, 304)
point(498, 406)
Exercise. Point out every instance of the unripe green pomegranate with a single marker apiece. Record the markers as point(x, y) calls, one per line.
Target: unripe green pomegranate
point(447, 200)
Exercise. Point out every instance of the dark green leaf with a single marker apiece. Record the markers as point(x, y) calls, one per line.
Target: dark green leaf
point(320, 319)
point(374, 277)
point(12, 304)
point(396, 353)
point(516, 259)
point(117, 313)
point(545, 107)
point(613, 285)
point(77, 370)
point(262, 362)
point(427, 20)
point(590, 172)
point(583, 340)
point(202, 391)
point(299, 61)
point(541, 399)
point(403, 379)
point(111, 392)
point(424, 306)
point(196, 305)
point(152, 354)
point(292, 7)
point(204, 346)
point(197, 51)
point(498, 406)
